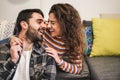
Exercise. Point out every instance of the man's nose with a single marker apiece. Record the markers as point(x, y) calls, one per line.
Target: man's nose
point(43, 25)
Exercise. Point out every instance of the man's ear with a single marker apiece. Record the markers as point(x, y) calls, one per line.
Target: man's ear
point(24, 24)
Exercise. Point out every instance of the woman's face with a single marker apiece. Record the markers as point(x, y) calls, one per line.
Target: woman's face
point(54, 26)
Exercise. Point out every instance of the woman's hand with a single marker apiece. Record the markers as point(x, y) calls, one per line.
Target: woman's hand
point(53, 53)
point(15, 40)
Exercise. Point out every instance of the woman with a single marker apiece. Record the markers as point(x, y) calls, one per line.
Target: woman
point(64, 22)
point(65, 39)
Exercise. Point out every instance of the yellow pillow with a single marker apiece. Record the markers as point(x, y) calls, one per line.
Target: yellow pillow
point(106, 37)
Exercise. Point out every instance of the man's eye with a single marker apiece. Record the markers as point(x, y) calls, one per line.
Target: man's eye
point(52, 23)
point(39, 22)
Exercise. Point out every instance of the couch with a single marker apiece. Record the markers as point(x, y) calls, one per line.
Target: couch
point(101, 67)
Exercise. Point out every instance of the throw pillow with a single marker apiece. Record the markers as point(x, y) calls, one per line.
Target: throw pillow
point(106, 37)
point(88, 32)
point(89, 39)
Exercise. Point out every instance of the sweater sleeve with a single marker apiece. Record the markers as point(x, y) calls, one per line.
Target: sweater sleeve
point(74, 65)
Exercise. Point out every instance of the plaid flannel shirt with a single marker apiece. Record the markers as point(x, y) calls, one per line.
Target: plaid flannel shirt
point(8, 68)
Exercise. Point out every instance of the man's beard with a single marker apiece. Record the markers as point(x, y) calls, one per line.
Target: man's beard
point(33, 35)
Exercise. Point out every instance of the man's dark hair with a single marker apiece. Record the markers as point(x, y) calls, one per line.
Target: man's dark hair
point(25, 15)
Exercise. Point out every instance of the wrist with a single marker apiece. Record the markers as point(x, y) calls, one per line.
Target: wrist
point(14, 60)
point(61, 62)
point(10, 65)
point(11, 37)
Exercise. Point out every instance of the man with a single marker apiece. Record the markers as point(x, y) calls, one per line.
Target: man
point(27, 61)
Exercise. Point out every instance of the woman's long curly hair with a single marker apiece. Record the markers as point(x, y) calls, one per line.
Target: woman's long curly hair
point(71, 27)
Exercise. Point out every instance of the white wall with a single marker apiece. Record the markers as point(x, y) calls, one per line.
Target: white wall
point(9, 9)
point(87, 8)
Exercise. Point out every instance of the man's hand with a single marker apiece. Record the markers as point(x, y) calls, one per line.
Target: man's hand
point(15, 52)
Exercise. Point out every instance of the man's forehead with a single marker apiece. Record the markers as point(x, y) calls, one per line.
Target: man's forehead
point(37, 16)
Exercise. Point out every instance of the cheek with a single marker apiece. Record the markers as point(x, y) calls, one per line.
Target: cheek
point(58, 30)
point(35, 26)
point(33, 30)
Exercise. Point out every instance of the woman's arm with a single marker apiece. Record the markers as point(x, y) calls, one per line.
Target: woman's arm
point(74, 65)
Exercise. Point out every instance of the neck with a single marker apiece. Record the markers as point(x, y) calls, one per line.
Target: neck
point(27, 44)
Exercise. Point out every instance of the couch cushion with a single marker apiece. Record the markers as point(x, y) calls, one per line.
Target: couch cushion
point(104, 68)
point(4, 41)
point(106, 37)
point(85, 75)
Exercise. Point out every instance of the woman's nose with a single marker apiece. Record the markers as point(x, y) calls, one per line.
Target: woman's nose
point(49, 26)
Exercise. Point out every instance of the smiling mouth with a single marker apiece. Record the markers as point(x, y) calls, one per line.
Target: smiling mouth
point(42, 30)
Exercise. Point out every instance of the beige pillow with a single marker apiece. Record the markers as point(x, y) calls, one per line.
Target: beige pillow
point(110, 16)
